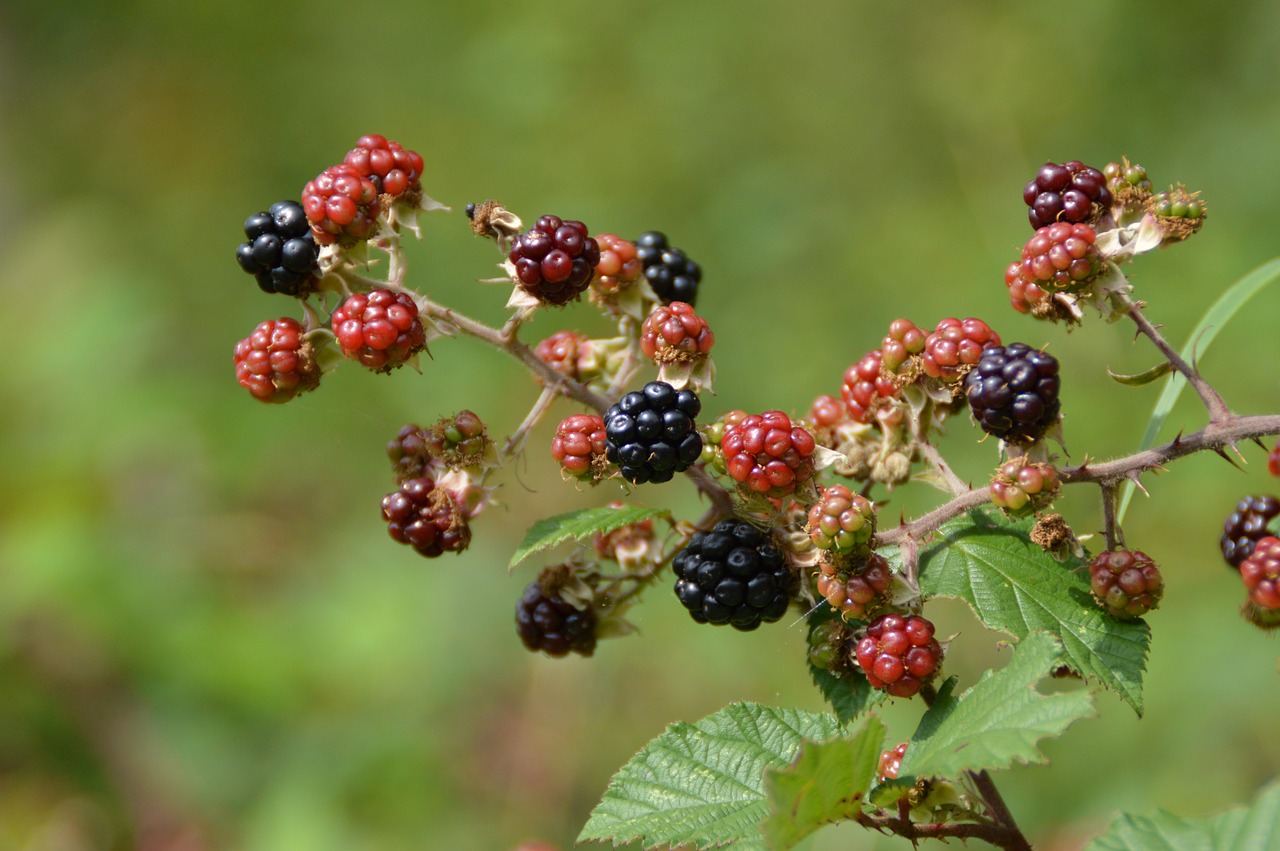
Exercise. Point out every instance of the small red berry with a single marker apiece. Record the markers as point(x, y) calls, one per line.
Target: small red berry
point(392, 169)
point(891, 762)
point(899, 654)
point(867, 392)
point(342, 206)
point(767, 453)
point(673, 333)
point(579, 446)
point(1260, 573)
point(1273, 460)
point(1127, 583)
point(275, 362)
point(955, 347)
point(381, 329)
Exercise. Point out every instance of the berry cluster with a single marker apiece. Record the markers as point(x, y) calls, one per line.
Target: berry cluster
point(1021, 487)
point(380, 329)
point(1013, 392)
point(955, 347)
point(1246, 525)
point(579, 446)
point(547, 622)
point(673, 333)
point(1260, 573)
point(619, 265)
point(733, 575)
point(341, 205)
point(841, 521)
point(766, 453)
point(866, 391)
point(1061, 257)
point(854, 592)
point(426, 517)
point(671, 274)
point(275, 362)
point(651, 434)
point(899, 654)
point(1127, 583)
point(1067, 192)
point(554, 260)
point(281, 253)
point(891, 762)
point(393, 169)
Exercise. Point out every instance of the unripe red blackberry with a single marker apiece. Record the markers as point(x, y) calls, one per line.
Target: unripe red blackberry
point(554, 260)
point(1021, 487)
point(733, 575)
point(459, 440)
point(899, 654)
point(767, 453)
point(1127, 583)
point(891, 762)
point(841, 521)
point(1273, 460)
point(671, 275)
point(651, 433)
point(276, 362)
point(564, 351)
point(903, 341)
point(1061, 257)
point(1026, 296)
point(579, 446)
point(426, 518)
point(673, 333)
point(866, 391)
point(1246, 525)
point(408, 452)
point(547, 622)
point(1013, 392)
point(393, 169)
point(853, 593)
point(955, 346)
point(281, 253)
point(341, 205)
point(1260, 573)
point(1068, 192)
point(619, 265)
point(381, 329)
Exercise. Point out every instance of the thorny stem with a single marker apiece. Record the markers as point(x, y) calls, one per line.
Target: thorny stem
point(1213, 402)
point(934, 458)
point(998, 835)
point(1110, 528)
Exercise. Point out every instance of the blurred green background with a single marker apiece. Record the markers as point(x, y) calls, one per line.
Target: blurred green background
point(207, 639)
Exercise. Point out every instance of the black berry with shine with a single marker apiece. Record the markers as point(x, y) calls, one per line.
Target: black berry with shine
point(1067, 192)
point(671, 274)
point(1013, 392)
point(281, 253)
point(1247, 525)
point(650, 433)
point(733, 575)
point(551, 624)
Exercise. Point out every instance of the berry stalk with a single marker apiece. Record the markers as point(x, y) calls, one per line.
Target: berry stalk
point(1213, 401)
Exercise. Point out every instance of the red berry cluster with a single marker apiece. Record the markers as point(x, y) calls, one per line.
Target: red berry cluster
point(1067, 192)
point(1021, 486)
point(841, 520)
point(866, 391)
point(1061, 257)
point(619, 265)
point(854, 592)
point(393, 169)
point(554, 260)
point(341, 205)
point(891, 762)
point(579, 446)
point(564, 351)
point(767, 453)
point(955, 347)
point(1127, 583)
point(426, 518)
point(1261, 574)
point(275, 362)
point(899, 654)
point(381, 329)
point(903, 341)
point(673, 333)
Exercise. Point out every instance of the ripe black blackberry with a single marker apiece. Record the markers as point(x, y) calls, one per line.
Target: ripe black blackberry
point(733, 575)
point(547, 622)
point(650, 433)
point(1245, 526)
point(281, 252)
point(1070, 192)
point(1013, 392)
point(671, 274)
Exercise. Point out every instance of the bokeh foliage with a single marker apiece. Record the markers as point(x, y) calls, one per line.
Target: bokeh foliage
point(204, 629)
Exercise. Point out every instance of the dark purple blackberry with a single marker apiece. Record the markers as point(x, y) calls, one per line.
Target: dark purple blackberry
point(1247, 525)
point(1070, 192)
point(281, 252)
point(650, 433)
point(671, 275)
point(554, 260)
point(1013, 392)
point(735, 575)
point(549, 623)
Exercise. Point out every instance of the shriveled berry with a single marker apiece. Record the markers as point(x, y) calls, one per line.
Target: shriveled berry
point(393, 169)
point(554, 260)
point(768, 454)
point(1127, 583)
point(673, 333)
point(381, 329)
point(733, 575)
point(1246, 525)
point(1260, 573)
point(841, 520)
point(1013, 392)
point(1021, 487)
point(459, 440)
point(626, 543)
point(547, 622)
point(899, 654)
point(341, 205)
point(1067, 192)
point(670, 273)
point(579, 446)
point(408, 452)
point(651, 434)
point(426, 518)
point(275, 362)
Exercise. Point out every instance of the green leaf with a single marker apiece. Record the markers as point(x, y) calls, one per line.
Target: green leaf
point(848, 696)
point(824, 785)
point(1015, 587)
point(995, 723)
point(1214, 320)
point(577, 525)
point(1254, 829)
point(703, 784)
point(1138, 379)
